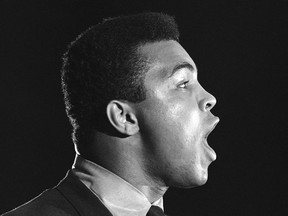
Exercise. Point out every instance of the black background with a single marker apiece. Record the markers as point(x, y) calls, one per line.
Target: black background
point(241, 52)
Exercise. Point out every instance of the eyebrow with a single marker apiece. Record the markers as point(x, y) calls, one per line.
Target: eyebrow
point(181, 65)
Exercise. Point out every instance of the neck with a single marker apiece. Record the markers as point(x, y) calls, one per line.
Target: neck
point(135, 176)
point(127, 161)
point(153, 193)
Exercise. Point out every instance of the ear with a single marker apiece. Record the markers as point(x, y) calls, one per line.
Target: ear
point(122, 117)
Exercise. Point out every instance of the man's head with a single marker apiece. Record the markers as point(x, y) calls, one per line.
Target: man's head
point(130, 75)
point(104, 64)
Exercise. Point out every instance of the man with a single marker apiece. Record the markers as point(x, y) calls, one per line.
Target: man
point(140, 118)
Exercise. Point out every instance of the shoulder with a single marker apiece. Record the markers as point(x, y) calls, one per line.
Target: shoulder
point(69, 198)
point(50, 202)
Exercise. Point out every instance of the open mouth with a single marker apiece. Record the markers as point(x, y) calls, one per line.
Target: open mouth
point(209, 151)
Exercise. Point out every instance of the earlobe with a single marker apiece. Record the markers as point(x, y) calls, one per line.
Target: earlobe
point(122, 117)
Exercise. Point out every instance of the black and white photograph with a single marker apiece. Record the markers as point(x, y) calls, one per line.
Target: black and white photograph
point(135, 108)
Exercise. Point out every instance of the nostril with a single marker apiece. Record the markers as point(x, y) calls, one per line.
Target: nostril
point(208, 106)
point(207, 103)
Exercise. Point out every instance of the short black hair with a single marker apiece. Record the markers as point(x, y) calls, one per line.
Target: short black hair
point(103, 64)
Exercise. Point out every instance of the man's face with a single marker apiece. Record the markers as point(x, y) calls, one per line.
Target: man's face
point(175, 117)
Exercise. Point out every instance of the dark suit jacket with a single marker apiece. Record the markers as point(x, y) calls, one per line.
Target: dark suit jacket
point(69, 198)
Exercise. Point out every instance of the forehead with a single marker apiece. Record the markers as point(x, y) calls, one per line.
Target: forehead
point(164, 55)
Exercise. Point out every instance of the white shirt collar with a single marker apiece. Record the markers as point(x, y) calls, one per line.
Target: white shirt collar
point(118, 195)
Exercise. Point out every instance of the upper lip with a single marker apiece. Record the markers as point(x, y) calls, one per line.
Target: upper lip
point(215, 122)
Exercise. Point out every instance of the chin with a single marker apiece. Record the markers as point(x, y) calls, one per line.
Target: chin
point(197, 183)
point(201, 181)
point(191, 181)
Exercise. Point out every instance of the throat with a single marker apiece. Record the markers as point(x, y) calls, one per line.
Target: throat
point(153, 194)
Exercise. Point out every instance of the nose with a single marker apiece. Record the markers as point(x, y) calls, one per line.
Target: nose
point(208, 101)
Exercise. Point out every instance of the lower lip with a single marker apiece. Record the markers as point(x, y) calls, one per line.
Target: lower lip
point(210, 152)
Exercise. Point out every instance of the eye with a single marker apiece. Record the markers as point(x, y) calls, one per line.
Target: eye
point(183, 84)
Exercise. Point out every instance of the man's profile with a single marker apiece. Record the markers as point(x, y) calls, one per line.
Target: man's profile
point(140, 120)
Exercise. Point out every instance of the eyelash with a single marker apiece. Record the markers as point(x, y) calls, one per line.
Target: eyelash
point(183, 83)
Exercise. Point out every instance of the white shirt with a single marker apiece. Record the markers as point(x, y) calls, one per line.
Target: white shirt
point(119, 196)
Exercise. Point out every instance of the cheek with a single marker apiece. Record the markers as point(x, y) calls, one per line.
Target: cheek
point(186, 119)
point(182, 125)
point(171, 125)
point(185, 150)
point(193, 132)
point(160, 124)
